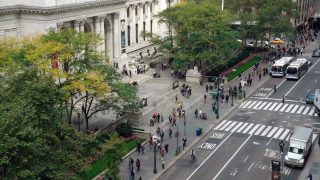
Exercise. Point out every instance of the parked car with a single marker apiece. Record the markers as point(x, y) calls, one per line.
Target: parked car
point(310, 97)
point(277, 41)
point(316, 53)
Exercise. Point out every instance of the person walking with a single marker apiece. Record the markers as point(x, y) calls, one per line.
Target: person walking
point(174, 122)
point(227, 98)
point(184, 142)
point(166, 147)
point(170, 119)
point(205, 97)
point(274, 89)
point(170, 133)
point(213, 106)
point(138, 164)
point(196, 113)
point(207, 88)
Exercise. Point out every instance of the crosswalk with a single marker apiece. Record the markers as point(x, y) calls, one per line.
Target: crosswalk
point(254, 129)
point(279, 107)
point(307, 54)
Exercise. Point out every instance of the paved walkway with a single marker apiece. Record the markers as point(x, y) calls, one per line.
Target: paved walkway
point(161, 99)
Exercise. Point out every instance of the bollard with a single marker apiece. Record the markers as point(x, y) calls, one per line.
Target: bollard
point(162, 163)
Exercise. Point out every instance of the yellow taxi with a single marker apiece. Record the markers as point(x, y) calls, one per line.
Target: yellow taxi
point(277, 41)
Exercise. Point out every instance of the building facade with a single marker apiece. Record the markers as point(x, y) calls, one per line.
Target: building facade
point(119, 23)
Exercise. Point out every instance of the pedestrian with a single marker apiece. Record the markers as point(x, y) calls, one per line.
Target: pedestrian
point(138, 164)
point(158, 131)
point(184, 114)
point(131, 161)
point(179, 110)
point(259, 76)
point(200, 112)
point(274, 89)
point(310, 176)
point(213, 106)
point(227, 98)
point(161, 135)
point(166, 147)
point(196, 113)
point(207, 88)
point(130, 73)
point(170, 119)
point(158, 117)
point(140, 178)
point(184, 142)
point(176, 98)
point(205, 97)
point(138, 147)
point(162, 150)
point(170, 133)
point(142, 149)
point(132, 174)
point(282, 98)
point(174, 122)
point(319, 140)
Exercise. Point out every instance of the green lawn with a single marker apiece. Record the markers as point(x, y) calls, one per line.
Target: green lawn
point(243, 68)
point(100, 165)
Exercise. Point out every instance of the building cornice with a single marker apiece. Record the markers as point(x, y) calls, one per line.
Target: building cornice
point(21, 9)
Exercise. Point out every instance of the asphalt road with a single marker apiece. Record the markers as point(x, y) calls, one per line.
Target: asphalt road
point(243, 144)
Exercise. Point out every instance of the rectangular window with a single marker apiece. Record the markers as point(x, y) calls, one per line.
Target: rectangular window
point(144, 9)
point(151, 8)
point(137, 34)
point(136, 10)
point(129, 29)
point(144, 31)
point(128, 12)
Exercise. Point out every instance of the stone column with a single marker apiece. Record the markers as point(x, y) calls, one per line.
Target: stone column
point(77, 25)
point(116, 37)
point(133, 26)
point(102, 34)
point(59, 25)
point(109, 36)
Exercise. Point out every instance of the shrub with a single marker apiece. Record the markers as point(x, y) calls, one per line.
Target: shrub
point(124, 130)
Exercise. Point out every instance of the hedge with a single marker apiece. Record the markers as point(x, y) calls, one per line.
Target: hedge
point(241, 69)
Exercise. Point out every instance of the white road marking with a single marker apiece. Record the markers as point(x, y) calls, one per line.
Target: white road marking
point(225, 126)
point(260, 107)
point(311, 112)
point(284, 134)
point(269, 141)
point(252, 104)
point(294, 109)
point(273, 106)
point(265, 131)
point(209, 156)
point(231, 125)
point(232, 157)
point(278, 107)
point(272, 131)
point(256, 106)
point(235, 128)
point(242, 127)
point(278, 133)
point(289, 108)
point(254, 129)
point(283, 107)
point(277, 87)
point(267, 106)
point(220, 124)
point(251, 166)
point(247, 129)
point(306, 110)
point(245, 106)
point(300, 109)
point(260, 129)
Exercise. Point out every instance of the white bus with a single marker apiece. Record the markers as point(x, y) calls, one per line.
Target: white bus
point(279, 68)
point(297, 68)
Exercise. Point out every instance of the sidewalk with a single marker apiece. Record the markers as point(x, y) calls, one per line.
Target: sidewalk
point(164, 105)
point(313, 164)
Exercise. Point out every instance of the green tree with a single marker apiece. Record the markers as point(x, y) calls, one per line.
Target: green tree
point(36, 142)
point(198, 32)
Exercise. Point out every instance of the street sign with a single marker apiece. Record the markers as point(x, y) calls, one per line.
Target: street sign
point(275, 167)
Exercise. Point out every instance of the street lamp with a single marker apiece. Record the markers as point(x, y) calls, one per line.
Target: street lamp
point(155, 157)
point(232, 94)
point(185, 126)
point(177, 136)
point(218, 94)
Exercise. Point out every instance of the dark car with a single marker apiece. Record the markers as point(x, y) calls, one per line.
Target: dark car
point(310, 97)
point(316, 53)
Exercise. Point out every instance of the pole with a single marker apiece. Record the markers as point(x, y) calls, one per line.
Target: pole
point(155, 158)
point(232, 97)
point(177, 135)
point(222, 5)
point(218, 94)
point(281, 145)
point(185, 127)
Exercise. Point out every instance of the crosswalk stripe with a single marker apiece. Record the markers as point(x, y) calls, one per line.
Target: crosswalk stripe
point(267, 106)
point(252, 104)
point(266, 131)
point(306, 110)
point(300, 109)
point(283, 107)
point(272, 131)
point(261, 106)
point(287, 139)
point(278, 133)
point(247, 129)
point(311, 112)
point(294, 109)
point(273, 106)
point(237, 126)
point(226, 125)
point(260, 129)
point(245, 106)
point(289, 108)
point(254, 129)
point(315, 114)
point(220, 124)
point(231, 125)
point(278, 107)
point(256, 106)
point(242, 127)
point(284, 134)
